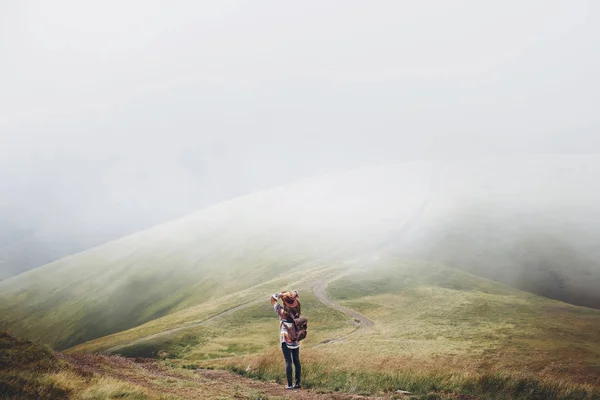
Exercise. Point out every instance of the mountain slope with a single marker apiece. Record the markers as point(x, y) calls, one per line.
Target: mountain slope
point(432, 329)
point(531, 223)
point(438, 329)
point(224, 248)
point(409, 210)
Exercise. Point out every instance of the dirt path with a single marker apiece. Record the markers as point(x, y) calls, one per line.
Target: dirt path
point(160, 380)
point(275, 389)
point(180, 328)
point(362, 322)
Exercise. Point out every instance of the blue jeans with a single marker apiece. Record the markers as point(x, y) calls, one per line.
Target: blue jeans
point(291, 355)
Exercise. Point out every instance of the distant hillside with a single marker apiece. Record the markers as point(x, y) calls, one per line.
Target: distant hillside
point(224, 248)
point(467, 213)
point(21, 250)
point(551, 257)
point(52, 207)
point(532, 223)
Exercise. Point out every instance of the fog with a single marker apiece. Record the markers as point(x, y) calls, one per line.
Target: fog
point(116, 116)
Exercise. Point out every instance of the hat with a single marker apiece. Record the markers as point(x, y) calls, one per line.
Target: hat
point(290, 299)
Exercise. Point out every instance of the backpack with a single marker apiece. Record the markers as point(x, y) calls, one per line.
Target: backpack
point(297, 331)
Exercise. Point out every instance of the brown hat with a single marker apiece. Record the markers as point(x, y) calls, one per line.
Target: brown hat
point(290, 299)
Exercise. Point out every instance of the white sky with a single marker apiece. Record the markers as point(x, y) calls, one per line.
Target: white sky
point(121, 114)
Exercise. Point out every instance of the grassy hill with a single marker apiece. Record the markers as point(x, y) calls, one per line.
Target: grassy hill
point(213, 329)
point(180, 290)
point(436, 330)
point(529, 250)
point(216, 251)
point(414, 209)
point(441, 330)
point(29, 370)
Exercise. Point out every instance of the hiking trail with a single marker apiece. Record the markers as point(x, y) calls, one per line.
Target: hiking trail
point(177, 383)
point(179, 328)
point(362, 322)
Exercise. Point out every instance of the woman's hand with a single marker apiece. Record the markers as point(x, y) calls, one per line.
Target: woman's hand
point(274, 298)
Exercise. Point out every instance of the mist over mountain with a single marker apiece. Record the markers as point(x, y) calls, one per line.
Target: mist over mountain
point(531, 223)
point(524, 221)
point(117, 117)
point(424, 174)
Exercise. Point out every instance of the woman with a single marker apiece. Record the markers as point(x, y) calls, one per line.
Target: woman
point(289, 347)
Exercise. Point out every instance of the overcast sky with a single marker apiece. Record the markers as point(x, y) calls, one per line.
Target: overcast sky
point(123, 114)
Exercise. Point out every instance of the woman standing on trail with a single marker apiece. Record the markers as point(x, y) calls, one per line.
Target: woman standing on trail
point(289, 347)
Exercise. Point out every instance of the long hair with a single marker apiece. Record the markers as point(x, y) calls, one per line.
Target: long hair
point(292, 310)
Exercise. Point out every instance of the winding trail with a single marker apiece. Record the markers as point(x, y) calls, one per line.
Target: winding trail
point(176, 383)
point(362, 322)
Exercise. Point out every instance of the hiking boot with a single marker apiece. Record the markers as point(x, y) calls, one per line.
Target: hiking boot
point(288, 387)
point(297, 386)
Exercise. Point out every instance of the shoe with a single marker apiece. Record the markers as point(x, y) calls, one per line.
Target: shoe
point(289, 387)
point(297, 386)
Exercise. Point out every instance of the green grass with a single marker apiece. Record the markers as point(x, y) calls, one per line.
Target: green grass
point(252, 328)
point(140, 278)
point(443, 331)
point(69, 313)
point(437, 331)
point(246, 241)
point(422, 382)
